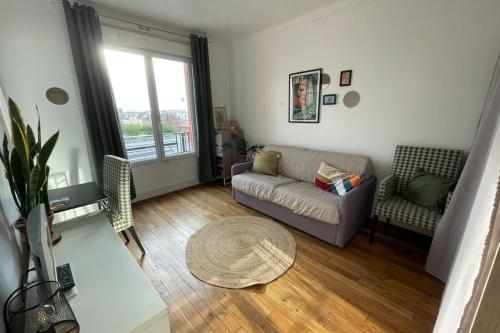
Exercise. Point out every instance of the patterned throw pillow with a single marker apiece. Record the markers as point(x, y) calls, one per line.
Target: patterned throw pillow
point(327, 175)
point(344, 185)
point(335, 180)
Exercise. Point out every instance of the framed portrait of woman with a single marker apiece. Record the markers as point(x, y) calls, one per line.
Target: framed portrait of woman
point(304, 96)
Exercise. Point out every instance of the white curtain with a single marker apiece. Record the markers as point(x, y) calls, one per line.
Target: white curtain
point(460, 240)
point(453, 223)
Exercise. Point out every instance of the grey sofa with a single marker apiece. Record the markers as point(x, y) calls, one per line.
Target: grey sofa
point(293, 198)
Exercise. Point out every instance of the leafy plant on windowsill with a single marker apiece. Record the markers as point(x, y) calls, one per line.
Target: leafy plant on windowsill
point(26, 166)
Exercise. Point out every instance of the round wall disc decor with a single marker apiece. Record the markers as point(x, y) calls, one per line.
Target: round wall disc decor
point(351, 99)
point(57, 96)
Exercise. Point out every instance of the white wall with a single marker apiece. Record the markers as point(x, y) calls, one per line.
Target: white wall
point(422, 69)
point(35, 56)
point(220, 57)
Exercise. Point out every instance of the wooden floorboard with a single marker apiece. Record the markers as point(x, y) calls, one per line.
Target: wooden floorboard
point(360, 288)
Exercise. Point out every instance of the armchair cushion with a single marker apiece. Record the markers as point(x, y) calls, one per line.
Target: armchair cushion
point(429, 191)
point(404, 211)
point(387, 187)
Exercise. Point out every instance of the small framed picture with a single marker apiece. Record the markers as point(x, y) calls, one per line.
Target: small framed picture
point(345, 78)
point(330, 99)
point(220, 120)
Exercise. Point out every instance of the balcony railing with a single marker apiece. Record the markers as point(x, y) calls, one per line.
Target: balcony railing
point(144, 147)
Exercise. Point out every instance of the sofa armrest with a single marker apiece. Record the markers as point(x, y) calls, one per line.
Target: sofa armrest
point(241, 167)
point(355, 208)
point(387, 187)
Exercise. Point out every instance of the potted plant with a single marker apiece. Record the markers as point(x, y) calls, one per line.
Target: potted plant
point(239, 145)
point(26, 167)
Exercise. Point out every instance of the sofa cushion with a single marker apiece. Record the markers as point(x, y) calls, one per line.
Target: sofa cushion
point(258, 185)
point(308, 200)
point(302, 164)
point(407, 212)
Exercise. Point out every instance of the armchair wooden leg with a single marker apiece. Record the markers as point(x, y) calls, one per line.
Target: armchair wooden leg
point(124, 234)
point(136, 239)
point(373, 228)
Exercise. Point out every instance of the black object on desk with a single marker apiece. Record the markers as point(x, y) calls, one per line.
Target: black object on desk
point(79, 195)
point(65, 277)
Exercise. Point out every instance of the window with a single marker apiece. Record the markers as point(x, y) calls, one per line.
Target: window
point(153, 99)
point(172, 89)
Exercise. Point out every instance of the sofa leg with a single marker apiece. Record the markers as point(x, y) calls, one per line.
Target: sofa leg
point(373, 228)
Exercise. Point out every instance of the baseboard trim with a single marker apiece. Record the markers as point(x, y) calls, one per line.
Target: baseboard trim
point(166, 189)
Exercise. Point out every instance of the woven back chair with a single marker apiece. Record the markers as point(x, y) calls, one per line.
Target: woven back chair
point(446, 163)
point(116, 176)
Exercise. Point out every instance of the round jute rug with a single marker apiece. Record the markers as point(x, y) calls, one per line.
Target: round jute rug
point(240, 251)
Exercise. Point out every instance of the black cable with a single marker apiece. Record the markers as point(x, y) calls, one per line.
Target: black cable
point(26, 273)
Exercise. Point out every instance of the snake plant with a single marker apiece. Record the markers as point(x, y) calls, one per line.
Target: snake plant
point(25, 164)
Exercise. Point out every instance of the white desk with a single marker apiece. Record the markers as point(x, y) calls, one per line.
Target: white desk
point(113, 294)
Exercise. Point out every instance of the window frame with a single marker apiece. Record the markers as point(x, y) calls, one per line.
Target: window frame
point(148, 56)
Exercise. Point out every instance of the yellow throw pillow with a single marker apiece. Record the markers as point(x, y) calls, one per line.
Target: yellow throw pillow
point(266, 162)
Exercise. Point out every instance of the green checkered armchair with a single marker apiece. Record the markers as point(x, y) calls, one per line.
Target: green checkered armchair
point(446, 163)
point(116, 176)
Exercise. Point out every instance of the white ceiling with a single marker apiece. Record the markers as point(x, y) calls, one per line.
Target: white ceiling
point(221, 18)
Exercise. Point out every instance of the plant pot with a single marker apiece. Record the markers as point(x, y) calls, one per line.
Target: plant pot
point(243, 158)
point(56, 237)
point(20, 225)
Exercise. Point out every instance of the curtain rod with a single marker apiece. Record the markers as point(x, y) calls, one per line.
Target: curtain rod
point(142, 27)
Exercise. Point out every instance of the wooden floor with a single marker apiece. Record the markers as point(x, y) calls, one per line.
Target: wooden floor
point(360, 288)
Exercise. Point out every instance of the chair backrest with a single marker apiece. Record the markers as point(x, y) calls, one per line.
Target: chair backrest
point(116, 179)
point(446, 163)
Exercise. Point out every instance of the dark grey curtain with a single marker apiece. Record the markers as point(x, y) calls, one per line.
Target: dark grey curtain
point(95, 89)
point(207, 169)
point(451, 228)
